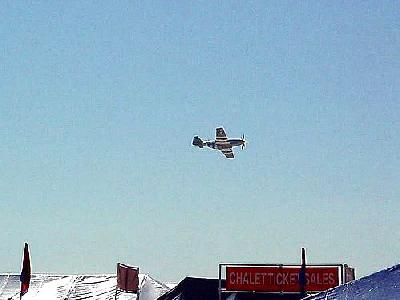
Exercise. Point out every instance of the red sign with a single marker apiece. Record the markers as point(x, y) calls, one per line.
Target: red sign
point(127, 278)
point(280, 279)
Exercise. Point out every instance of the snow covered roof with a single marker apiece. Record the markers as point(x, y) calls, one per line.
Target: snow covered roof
point(74, 287)
point(383, 285)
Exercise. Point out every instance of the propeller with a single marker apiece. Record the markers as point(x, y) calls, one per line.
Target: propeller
point(244, 142)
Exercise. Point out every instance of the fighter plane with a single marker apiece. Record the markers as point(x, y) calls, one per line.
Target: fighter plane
point(221, 143)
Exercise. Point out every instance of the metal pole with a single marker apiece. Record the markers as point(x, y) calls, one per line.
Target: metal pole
point(219, 283)
point(302, 277)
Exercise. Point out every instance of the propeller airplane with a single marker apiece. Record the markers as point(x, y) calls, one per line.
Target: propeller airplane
point(221, 143)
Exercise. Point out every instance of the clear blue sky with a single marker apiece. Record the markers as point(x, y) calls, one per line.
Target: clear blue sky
point(100, 101)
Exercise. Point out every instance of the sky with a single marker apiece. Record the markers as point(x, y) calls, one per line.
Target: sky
point(100, 101)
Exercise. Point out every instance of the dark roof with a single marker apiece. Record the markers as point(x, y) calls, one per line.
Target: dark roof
point(192, 288)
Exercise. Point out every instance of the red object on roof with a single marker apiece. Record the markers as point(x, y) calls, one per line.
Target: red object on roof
point(25, 276)
point(127, 278)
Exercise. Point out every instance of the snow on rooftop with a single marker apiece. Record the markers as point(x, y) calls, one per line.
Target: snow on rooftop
point(383, 285)
point(74, 287)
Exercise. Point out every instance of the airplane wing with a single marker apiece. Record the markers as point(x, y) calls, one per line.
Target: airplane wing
point(228, 152)
point(220, 135)
point(222, 140)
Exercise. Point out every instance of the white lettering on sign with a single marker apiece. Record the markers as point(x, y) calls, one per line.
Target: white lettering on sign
point(324, 278)
point(252, 278)
point(281, 278)
point(275, 279)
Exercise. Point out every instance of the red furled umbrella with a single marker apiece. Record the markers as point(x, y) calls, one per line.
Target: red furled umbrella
point(26, 272)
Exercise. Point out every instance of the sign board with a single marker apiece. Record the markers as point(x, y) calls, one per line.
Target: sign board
point(280, 278)
point(127, 278)
point(349, 274)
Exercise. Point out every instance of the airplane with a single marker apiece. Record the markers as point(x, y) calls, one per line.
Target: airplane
point(221, 143)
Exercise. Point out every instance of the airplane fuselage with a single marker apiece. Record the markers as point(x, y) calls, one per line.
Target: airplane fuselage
point(223, 145)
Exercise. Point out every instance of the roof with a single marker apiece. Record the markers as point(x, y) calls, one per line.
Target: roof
point(192, 288)
point(381, 285)
point(74, 287)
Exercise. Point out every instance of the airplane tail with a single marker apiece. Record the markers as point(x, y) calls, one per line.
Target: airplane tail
point(197, 142)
